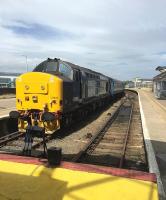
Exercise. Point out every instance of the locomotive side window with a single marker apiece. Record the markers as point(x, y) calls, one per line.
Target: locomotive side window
point(107, 87)
point(66, 70)
point(76, 76)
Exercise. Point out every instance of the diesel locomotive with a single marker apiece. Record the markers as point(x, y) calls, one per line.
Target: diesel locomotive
point(57, 91)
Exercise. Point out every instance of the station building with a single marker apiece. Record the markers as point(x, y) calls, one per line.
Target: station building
point(143, 82)
point(129, 84)
point(7, 79)
point(159, 83)
point(140, 83)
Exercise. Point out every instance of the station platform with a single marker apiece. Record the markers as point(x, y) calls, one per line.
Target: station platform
point(28, 178)
point(153, 114)
point(7, 105)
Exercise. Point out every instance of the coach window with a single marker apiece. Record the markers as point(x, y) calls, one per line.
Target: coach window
point(66, 70)
point(107, 87)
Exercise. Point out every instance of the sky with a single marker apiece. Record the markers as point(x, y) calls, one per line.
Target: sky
point(119, 38)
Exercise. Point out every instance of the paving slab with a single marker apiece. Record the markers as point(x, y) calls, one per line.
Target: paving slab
point(7, 105)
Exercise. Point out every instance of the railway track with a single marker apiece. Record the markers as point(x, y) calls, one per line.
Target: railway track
point(119, 143)
point(14, 143)
point(15, 146)
point(8, 138)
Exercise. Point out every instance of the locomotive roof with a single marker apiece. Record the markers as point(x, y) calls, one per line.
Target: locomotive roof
point(72, 65)
point(78, 67)
point(82, 68)
point(88, 70)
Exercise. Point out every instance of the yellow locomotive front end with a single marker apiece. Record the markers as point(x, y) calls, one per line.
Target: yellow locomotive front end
point(39, 98)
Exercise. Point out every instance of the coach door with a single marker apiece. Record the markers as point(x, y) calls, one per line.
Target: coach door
point(77, 85)
point(112, 87)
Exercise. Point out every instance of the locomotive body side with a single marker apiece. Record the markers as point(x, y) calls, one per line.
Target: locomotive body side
point(89, 84)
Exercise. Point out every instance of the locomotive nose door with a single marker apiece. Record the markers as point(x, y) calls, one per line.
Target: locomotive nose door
point(77, 85)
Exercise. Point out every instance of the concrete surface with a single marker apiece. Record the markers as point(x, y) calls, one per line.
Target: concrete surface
point(154, 128)
point(7, 105)
point(7, 96)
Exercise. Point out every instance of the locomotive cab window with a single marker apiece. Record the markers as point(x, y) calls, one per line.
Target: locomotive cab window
point(47, 66)
point(66, 70)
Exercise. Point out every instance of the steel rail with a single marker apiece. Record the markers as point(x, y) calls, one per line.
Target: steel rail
point(126, 138)
point(38, 144)
point(7, 138)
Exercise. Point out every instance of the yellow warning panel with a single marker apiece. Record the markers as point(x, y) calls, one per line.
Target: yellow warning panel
point(20, 181)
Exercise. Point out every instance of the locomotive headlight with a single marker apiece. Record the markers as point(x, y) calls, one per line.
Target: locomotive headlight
point(35, 99)
point(45, 106)
point(42, 87)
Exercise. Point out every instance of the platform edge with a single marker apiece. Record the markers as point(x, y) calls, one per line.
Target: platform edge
point(153, 166)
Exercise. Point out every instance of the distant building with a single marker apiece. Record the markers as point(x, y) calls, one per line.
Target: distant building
point(159, 83)
point(142, 82)
point(7, 79)
point(130, 84)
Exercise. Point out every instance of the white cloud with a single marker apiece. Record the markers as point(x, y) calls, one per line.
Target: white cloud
point(122, 38)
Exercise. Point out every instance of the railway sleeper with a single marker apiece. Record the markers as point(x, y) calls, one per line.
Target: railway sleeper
point(113, 139)
point(135, 141)
point(108, 151)
point(135, 152)
point(117, 132)
point(135, 134)
point(111, 146)
point(107, 160)
point(134, 146)
point(136, 157)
